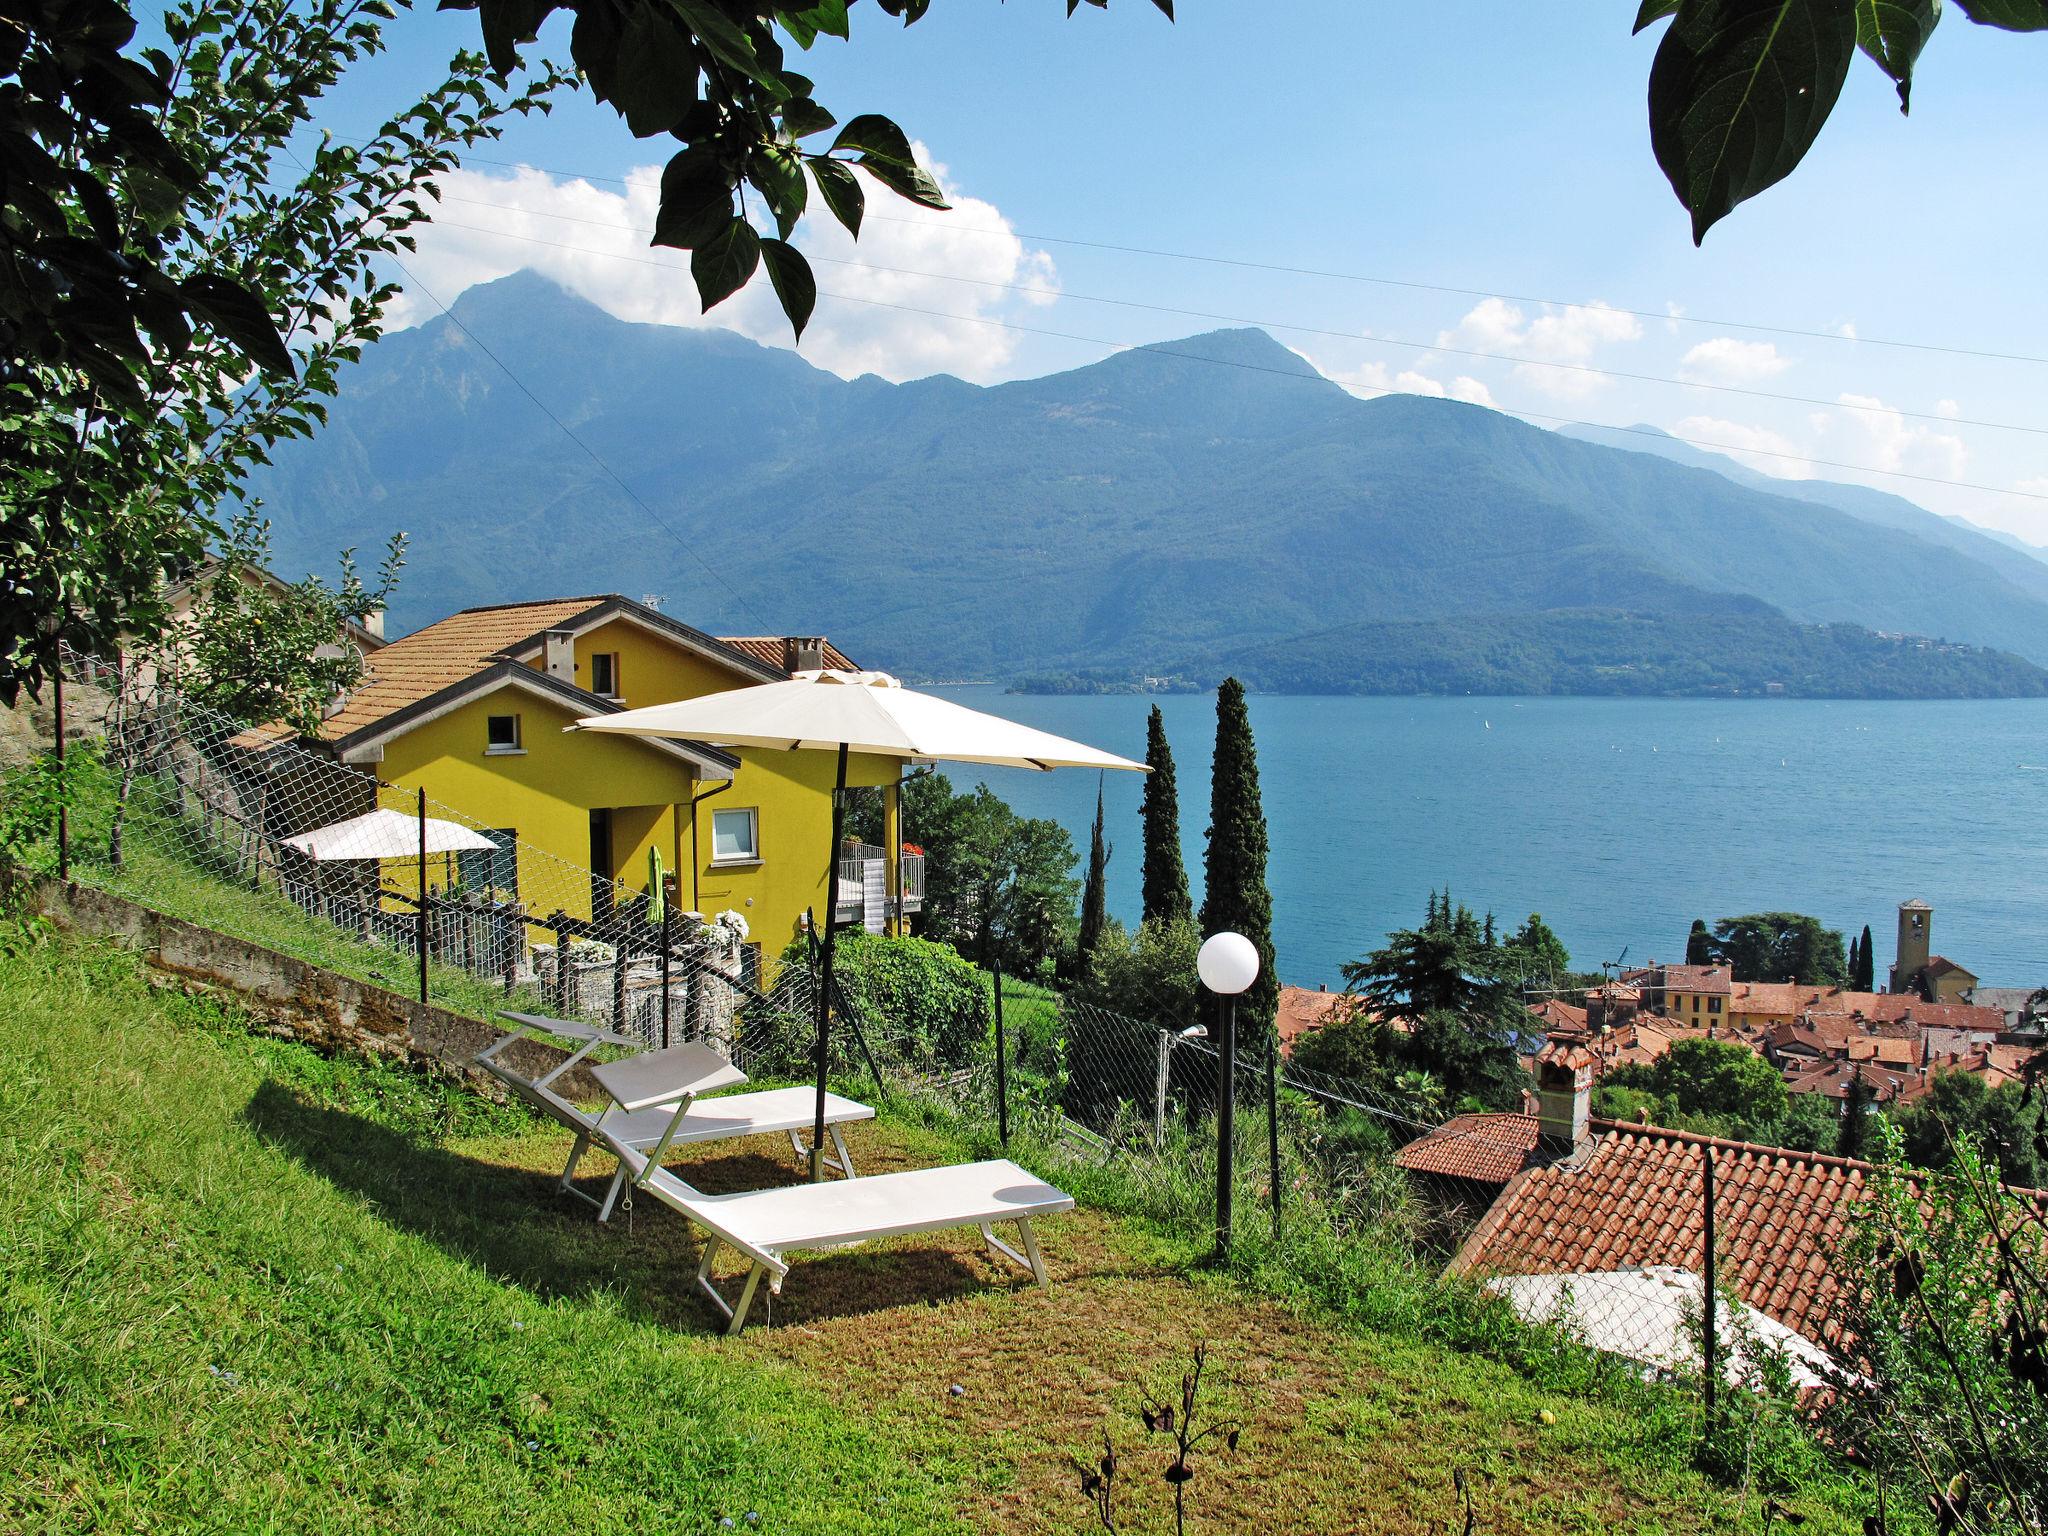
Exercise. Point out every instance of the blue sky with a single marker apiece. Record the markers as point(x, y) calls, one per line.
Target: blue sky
point(1486, 146)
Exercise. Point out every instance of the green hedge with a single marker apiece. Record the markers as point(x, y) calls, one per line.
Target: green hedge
point(923, 999)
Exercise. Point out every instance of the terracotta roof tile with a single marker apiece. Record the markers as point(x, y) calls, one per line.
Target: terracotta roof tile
point(1304, 1009)
point(428, 660)
point(1489, 1149)
point(776, 651)
point(1635, 1199)
point(1555, 1013)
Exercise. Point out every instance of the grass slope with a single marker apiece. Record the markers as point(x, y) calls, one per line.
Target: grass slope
point(245, 1287)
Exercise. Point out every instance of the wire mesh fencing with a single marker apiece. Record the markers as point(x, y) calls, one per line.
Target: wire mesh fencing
point(251, 832)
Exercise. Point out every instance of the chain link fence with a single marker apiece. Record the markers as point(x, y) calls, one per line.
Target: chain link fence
point(205, 818)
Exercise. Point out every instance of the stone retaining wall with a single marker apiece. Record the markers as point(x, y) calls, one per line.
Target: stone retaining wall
point(298, 1000)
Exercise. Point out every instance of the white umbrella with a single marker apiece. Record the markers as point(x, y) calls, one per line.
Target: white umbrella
point(860, 712)
point(852, 712)
point(387, 835)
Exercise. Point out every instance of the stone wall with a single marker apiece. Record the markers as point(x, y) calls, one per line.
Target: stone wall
point(297, 1000)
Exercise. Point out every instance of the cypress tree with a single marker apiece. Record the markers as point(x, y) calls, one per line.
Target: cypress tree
point(1234, 897)
point(1855, 964)
point(1166, 877)
point(1855, 1131)
point(1863, 974)
point(1095, 894)
point(1699, 944)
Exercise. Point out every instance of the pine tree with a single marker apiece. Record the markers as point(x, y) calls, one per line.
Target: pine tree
point(1166, 877)
point(1235, 898)
point(1095, 894)
point(1863, 975)
point(1699, 944)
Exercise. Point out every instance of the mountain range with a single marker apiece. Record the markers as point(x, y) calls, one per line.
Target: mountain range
point(1185, 508)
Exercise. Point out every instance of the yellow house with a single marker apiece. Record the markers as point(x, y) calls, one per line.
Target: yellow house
point(474, 710)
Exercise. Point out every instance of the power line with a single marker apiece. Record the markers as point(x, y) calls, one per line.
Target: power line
point(1381, 342)
point(569, 432)
point(1356, 390)
point(1805, 333)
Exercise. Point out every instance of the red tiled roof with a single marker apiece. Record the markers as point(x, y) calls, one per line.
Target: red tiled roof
point(1696, 978)
point(1636, 1199)
point(1489, 1149)
point(428, 660)
point(1303, 1010)
point(1556, 1013)
point(779, 652)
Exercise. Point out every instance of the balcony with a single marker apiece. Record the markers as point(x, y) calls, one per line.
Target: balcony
point(863, 894)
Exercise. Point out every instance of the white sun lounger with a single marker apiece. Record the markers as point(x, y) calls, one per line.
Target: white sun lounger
point(656, 1086)
point(765, 1225)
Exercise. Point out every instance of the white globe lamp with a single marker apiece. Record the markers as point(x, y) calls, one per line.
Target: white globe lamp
point(1228, 963)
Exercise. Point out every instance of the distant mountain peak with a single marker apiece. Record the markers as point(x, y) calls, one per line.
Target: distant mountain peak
point(1243, 346)
point(516, 293)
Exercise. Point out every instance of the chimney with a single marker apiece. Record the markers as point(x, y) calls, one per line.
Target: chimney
point(559, 652)
point(373, 622)
point(806, 653)
point(1564, 1090)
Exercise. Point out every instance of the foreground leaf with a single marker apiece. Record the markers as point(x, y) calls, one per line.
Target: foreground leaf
point(1738, 92)
point(1893, 32)
point(2011, 15)
point(722, 264)
point(794, 284)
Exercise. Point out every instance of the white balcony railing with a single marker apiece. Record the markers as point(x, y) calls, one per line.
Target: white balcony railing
point(863, 894)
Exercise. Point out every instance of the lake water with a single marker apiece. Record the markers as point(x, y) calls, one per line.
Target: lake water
point(1619, 820)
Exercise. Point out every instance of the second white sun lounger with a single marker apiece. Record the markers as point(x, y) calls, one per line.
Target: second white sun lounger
point(668, 1080)
point(768, 1224)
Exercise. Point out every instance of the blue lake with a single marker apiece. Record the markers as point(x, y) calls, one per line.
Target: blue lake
point(1619, 820)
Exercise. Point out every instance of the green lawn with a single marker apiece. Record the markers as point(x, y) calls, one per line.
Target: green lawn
point(244, 1287)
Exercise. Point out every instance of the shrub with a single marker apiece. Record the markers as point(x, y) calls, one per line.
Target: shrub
point(928, 1003)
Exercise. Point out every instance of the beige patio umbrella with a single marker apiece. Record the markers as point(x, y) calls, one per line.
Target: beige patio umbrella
point(389, 835)
point(849, 712)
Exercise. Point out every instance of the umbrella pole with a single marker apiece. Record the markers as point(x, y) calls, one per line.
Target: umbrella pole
point(825, 988)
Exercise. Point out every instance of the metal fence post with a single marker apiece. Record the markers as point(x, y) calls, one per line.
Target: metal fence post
point(1711, 1299)
point(1226, 1126)
point(1273, 1124)
point(1159, 1086)
point(1002, 1063)
point(63, 789)
point(665, 941)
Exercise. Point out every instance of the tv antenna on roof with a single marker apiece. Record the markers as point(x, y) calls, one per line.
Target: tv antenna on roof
point(652, 600)
point(1614, 965)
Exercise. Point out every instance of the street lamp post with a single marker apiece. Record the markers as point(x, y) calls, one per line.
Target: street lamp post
point(1228, 964)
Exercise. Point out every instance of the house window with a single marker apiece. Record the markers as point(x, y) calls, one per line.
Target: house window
point(501, 735)
point(604, 674)
point(1713, 1005)
point(736, 837)
point(495, 869)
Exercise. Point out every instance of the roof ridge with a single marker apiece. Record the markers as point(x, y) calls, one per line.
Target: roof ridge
point(531, 602)
point(1822, 1159)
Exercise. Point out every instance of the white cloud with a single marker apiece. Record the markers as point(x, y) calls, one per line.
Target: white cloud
point(1847, 329)
point(1877, 436)
point(1947, 408)
point(1370, 380)
point(1760, 448)
point(1725, 360)
point(2033, 485)
point(1572, 335)
point(594, 243)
